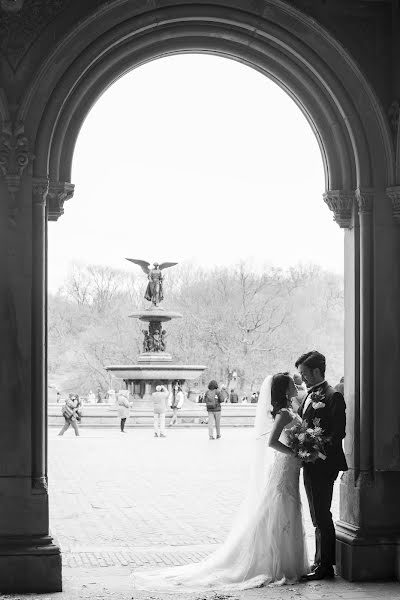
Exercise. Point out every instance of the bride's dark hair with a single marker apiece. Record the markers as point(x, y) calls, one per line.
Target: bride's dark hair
point(279, 387)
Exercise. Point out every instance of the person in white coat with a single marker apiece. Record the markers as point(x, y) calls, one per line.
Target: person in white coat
point(175, 401)
point(123, 407)
point(160, 397)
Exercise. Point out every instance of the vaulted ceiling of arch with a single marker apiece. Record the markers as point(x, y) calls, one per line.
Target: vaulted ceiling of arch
point(364, 27)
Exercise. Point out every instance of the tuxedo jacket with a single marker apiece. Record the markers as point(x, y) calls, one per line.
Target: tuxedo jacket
point(333, 421)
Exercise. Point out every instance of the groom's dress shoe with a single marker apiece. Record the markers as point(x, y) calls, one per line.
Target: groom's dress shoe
point(320, 573)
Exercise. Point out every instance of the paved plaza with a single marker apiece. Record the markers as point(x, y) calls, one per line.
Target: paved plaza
point(119, 502)
point(134, 499)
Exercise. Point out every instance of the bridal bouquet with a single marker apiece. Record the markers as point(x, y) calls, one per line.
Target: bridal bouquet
point(308, 443)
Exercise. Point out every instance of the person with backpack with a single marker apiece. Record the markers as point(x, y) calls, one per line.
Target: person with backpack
point(71, 411)
point(213, 400)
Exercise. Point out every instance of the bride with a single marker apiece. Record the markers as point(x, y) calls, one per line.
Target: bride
point(266, 544)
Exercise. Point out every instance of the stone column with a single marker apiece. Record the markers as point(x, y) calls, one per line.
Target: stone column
point(364, 201)
point(368, 531)
point(29, 559)
point(147, 390)
point(39, 374)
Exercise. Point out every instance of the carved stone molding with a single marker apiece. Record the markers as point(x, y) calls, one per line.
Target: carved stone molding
point(341, 204)
point(11, 6)
point(394, 115)
point(15, 155)
point(365, 200)
point(40, 187)
point(58, 193)
point(394, 194)
point(22, 22)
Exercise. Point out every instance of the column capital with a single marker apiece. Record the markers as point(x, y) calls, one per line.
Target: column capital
point(58, 193)
point(340, 202)
point(365, 200)
point(393, 193)
point(40, 186)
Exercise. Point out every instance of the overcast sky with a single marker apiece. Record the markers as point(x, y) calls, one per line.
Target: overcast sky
point(195, 157)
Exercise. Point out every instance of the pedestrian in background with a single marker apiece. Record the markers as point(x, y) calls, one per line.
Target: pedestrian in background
point(213, 400)
point(339, 387)
point(233, 397)
point(254, 398)
point(112, 396)
point(301, 392)
point(123, 407)
point(72, 413)
point(175, 402)
point(160, 397)
point(224, 394)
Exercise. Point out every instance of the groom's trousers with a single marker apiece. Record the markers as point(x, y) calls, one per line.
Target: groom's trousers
point(319, 489)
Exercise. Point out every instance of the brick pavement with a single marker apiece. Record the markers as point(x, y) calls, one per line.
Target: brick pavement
point(126, 495)
point(125, 501)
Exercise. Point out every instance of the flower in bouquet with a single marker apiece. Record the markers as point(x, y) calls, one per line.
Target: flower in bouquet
point(307, 443)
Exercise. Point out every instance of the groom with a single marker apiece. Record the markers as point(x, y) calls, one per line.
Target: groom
point(325, 403)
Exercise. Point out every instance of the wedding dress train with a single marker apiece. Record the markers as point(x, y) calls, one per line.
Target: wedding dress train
point(266, 544)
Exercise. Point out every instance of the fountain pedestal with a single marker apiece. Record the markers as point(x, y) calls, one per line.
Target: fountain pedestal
point(154, 365)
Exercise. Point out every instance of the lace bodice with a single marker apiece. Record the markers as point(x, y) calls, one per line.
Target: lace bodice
point(295, 417)
point(284, 475)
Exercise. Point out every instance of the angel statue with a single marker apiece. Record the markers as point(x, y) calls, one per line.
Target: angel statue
point(154, 290)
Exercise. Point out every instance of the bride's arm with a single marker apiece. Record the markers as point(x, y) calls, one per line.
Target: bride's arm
point(281, 419)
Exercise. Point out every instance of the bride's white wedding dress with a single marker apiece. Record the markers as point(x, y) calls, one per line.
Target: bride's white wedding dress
point(266, 544)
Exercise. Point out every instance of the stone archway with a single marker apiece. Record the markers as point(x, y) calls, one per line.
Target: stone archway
point(352, 130)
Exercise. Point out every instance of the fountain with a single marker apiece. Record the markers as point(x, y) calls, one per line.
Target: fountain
point(154, 365)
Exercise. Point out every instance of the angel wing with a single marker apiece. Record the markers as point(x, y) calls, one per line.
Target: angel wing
point(165, 265)
point(143, 264)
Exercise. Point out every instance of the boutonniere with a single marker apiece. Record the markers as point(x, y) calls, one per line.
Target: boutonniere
point(317, 405)
point(317, 399)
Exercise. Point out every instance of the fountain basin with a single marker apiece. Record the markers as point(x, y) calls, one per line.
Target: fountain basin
point(157, 315)
point(158, 371)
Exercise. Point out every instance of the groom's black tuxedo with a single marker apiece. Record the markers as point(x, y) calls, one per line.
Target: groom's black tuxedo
point(333, 422)
point(320, 476)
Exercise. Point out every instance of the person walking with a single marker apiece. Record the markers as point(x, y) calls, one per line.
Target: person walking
point(71, 412)
point(160, 397)
point(123, 407)
point(175, 401)
point(213, 400)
